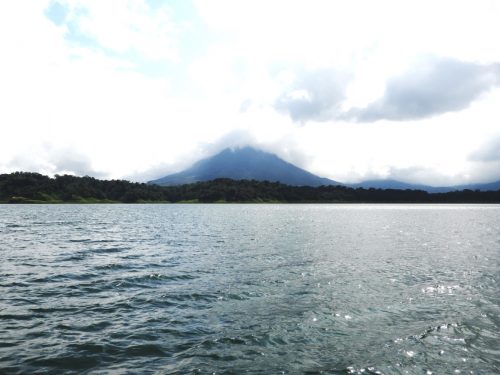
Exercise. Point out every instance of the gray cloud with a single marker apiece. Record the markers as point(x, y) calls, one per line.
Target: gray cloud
point(152, 173)
point(49, 160)
point(419, 175)
point(429, 89)
point(314, 95)
point(489, 152)
point(422, 175)
point(69, 161)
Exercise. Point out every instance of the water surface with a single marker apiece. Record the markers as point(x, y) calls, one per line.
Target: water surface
point(256, 289)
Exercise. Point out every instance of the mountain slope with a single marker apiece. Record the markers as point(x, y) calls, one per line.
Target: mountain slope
point(245, 163)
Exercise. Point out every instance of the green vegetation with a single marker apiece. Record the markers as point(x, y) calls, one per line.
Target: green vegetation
point(25, 187)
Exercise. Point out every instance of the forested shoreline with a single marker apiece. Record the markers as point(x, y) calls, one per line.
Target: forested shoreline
point(27, 187)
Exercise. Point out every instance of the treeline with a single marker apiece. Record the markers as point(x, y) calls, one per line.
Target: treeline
point(24, 187)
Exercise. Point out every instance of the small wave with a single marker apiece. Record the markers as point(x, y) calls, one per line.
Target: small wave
point(108, 250)
point(451, 333)
point(93, 327)
point(114, 266)
point(64, 277)
point(5, 344)
point(103, 241)
point(15, 284)
point(439, 328)
point(440, 289)
point(151, 279)
point(196, 297)
point(83, 254)
point(19, 316)
point(15, 226)
point(236, 296)
point(137, 350)
point(153, 350)
point(363, 370)
point(50, 310)
point(66, 361)
point(78, 240)
point(73, 258)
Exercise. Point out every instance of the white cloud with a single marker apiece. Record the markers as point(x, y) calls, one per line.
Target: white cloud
point(121, 85)
point(126, 26)
point(489, 151)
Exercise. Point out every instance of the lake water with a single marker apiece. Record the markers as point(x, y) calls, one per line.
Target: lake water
point(254, 289)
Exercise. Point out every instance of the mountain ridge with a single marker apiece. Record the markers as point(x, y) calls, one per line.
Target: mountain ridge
point(248, 163)
point(245, 163)
point(400, 185)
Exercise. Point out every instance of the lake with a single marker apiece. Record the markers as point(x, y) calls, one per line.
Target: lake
point(254, 289)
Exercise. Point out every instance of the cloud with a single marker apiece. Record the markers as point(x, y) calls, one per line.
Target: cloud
point(54, 160)
point(57, 12)
point(483, 172)
point(152, 173)
point(119, 27)
point(313, 95)
point(489, 151)
point(421, 175)
point(429, 89)
point(72, 162)
point(104, 78)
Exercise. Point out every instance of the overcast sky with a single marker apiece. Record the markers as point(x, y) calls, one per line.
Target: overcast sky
point(350, 90)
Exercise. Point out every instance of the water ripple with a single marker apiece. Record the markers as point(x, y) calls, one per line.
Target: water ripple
point(293, 289)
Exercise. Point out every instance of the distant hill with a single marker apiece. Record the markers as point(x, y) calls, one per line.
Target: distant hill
point(245, 163)
point(492, 186)
point(394, 184)
point(248, 163)
point(389, 184)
